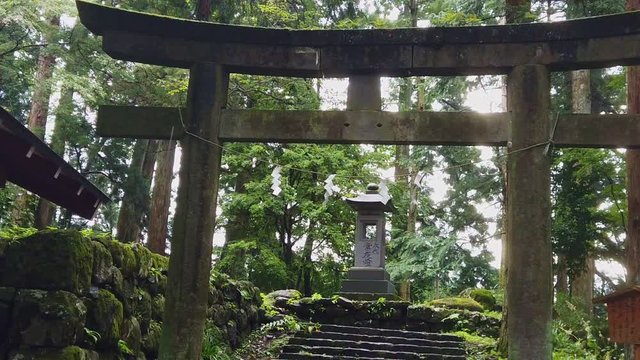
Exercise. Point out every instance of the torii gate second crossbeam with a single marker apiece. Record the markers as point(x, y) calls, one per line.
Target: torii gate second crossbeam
point(527, 53)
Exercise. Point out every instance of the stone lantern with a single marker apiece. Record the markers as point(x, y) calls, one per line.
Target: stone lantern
point(368, 277)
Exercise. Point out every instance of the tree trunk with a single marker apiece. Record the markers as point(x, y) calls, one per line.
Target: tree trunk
point(632, 245)
point(193, 227)
point(161, 197)
point(307, 263)
point(562, 285)
point(582, 284)
point(128, 228)
point(46, 209)
point(203, 10)
point(237, 229)
point(37, 120)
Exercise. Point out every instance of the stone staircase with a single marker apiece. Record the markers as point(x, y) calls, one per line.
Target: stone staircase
point(363, 343)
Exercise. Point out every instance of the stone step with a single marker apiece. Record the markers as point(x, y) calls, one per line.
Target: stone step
point(341, 353)
point(375, 346)
point(388, 332)
point(307, 356)
point(381, 339)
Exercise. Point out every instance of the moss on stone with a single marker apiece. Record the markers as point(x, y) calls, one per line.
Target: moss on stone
point(144, 260)
point(7, 296)
point(457, 303)
point(129, 266)
point(142, 307)
point(160, 262)
point(47, 318)
point(50, 260)
point(157, 277)
point(420, 312)
point(157, 307)
point(67, 353)
point(105, 315)
point(131, 334)
point(116, 250)
point(102, 263)
point(124, 258)
point(484, 297)
point(151, 339)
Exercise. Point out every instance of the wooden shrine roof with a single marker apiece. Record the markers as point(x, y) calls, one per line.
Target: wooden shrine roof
point(618, 294)
point(583, 43)
point(28, 162)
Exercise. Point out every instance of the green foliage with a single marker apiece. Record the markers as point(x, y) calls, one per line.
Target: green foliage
point(457, 303)
point(580, 180)
point(214, 347)
point(578, 335)
point(123, 347)
point(288, 323)
point(16, 232)
point(479, 347)
point(93, 335)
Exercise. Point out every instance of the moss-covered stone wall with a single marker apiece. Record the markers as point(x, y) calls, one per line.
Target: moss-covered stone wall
point(65, 295)
point(441, 316)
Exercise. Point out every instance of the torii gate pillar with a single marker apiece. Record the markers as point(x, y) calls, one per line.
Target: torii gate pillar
point(191, 244)
point(529, 277)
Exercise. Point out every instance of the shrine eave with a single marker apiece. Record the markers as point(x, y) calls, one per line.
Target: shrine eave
point(28, 162)
point(583, 43)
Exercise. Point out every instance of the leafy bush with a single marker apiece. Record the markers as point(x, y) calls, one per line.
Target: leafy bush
point(214, 347)
point(577, 335)
point(16, 232)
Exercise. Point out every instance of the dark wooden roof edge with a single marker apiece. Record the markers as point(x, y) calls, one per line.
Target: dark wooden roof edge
point(17, 129)
point(100, 19)
point(617, 294)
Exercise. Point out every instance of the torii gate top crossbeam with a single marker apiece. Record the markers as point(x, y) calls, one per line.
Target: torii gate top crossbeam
point(576, 44)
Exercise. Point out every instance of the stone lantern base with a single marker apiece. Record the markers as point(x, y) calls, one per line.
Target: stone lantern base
point(368, 281)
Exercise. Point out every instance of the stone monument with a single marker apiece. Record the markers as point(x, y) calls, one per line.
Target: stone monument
point(368, 277)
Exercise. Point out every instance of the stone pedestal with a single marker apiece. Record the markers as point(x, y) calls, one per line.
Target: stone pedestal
point(367, 280)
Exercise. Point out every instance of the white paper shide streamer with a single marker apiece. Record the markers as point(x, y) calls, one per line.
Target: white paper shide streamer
point(330, 188)
point(275, 185)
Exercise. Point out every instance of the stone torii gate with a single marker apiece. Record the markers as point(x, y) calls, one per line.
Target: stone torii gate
point(527, 53)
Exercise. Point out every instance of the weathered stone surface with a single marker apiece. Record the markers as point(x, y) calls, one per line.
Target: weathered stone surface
point(215, 296)
point(157, 307)
point(67, 353)
point(102, 264)
point(113, 308)
point(420, 313)
point(47, 318)
point(457, 303)
point(151, 340)
point(484, 297)
point(123, 258)
point(105, 315)
point(142, 307)
point(115, 283)
point(7, 296)
point(287, 294)
point(50, 260)
point(131, 334)
point(144, 261)
point(232, 333)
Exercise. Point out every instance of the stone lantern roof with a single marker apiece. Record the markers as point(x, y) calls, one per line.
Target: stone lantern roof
point(372, 200)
